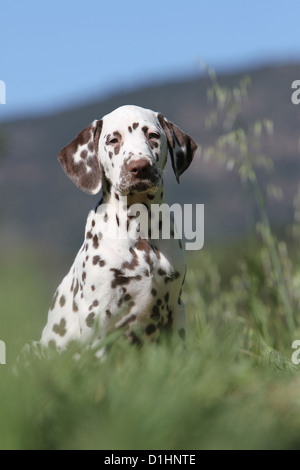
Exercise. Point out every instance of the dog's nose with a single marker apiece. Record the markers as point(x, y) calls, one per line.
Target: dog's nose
point(140, 168)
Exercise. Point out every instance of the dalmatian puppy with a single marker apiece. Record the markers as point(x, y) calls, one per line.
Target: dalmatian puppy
point(127, 281)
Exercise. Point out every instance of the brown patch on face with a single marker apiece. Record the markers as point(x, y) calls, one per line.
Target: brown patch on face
point(74, 306)
point(62, 301)
point(135, 125)
point(153, 144)
point(60, 328)
point(154, 292)
point(107, 139)
point(130, 129)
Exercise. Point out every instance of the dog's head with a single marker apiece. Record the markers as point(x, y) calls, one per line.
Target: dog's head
point(127, 147)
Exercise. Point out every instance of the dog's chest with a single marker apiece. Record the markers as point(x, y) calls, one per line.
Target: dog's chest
point(128, 282)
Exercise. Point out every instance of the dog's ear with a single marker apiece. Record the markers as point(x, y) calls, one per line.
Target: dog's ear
point(79, 159)
point(181, 146)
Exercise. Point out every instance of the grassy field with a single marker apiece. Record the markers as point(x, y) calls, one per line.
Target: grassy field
point(233, 386)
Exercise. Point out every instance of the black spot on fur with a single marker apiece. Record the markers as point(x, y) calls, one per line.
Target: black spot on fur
point(150, 329)
point(155, 313)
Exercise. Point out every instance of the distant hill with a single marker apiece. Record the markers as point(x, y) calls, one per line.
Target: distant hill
point(38, 203)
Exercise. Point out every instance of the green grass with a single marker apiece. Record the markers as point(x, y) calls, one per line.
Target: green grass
point(227, 389)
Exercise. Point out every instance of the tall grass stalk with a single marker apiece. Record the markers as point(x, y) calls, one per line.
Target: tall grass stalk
point(239, 149)
point(273, 252)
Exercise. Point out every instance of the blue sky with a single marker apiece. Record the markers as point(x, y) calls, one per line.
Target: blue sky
point(55, 54)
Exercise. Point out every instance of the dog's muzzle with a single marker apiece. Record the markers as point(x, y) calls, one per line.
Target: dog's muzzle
point(138, 175)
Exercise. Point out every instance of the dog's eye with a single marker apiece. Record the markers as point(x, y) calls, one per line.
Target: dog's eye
point(153, 135)
point(114, 141)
